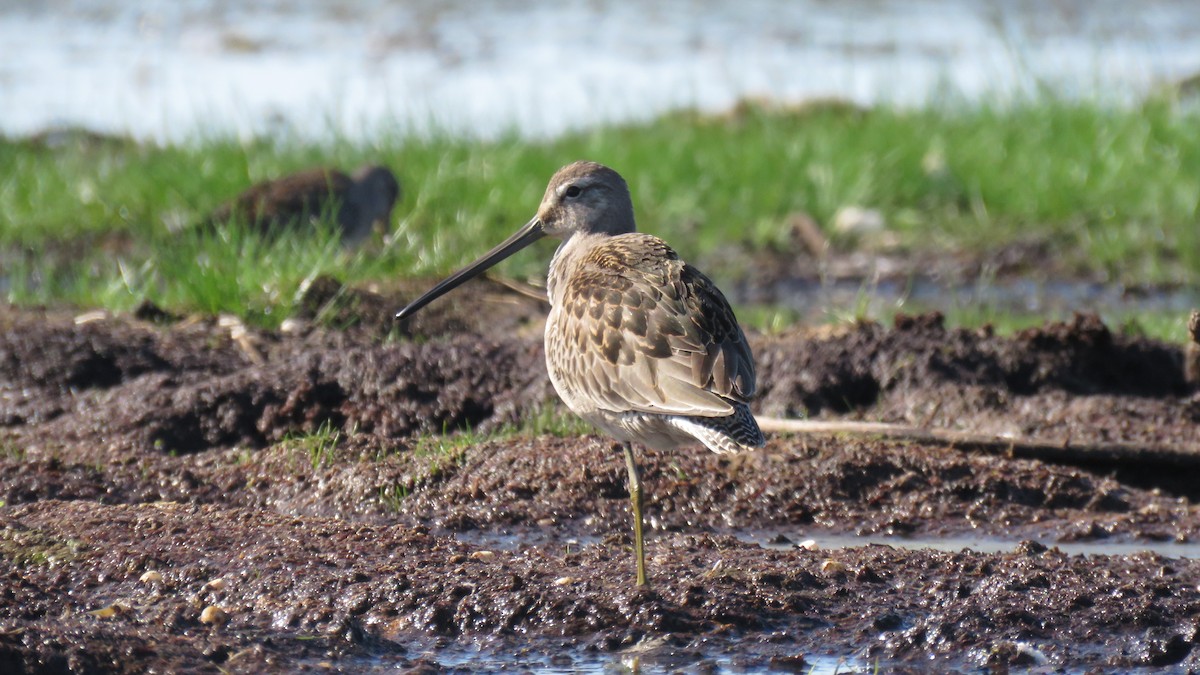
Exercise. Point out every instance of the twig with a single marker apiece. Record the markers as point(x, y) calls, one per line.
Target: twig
point(528, 290)
point(1035, 448)
point(242, 337)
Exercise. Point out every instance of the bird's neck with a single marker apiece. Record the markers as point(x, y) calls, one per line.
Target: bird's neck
point(565, 259)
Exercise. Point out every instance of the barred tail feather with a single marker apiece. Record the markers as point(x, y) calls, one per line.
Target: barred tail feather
point(723, 435)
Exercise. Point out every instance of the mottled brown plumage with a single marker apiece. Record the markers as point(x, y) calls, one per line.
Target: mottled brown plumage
point(355, 202)
point(638, 342)
point(635, 330)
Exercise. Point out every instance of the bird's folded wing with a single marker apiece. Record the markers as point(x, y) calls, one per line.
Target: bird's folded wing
point(640, 330)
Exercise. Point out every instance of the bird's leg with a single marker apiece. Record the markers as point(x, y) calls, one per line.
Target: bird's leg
point(635, 499)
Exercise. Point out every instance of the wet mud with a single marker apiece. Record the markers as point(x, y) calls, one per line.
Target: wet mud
point(188, 494)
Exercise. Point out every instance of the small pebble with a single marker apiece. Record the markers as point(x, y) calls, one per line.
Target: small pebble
point(856, 220)
point(292, 325)
point(213, 615)
point(115, 609)
point(832, 567)
point(229, 321)
point(214, 585)
point(150, 577)
point(564, 581)
point(1030, 547)
point(91, 317)
point(483, 556)
point(808, 545)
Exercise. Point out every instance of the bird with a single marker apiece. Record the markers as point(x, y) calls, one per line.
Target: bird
point(639, 343)
point(357, 202)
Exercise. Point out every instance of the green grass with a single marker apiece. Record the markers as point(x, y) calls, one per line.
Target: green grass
point(452, 446)
point(1113, 191)
point(448, 450)
point(549, 420)
point(1158, 323)
point(319, 446)
point(11, 451)
point(392, 496)
point(441, 453)
point(22, 548)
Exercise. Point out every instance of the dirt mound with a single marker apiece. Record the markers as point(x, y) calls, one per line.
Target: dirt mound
point(856, 367)
point(190, 387)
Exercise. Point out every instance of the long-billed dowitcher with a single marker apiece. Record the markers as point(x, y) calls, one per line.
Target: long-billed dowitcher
point(360, 201)
point(638, 342)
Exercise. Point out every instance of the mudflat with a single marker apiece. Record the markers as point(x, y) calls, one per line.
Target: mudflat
point(186, 493)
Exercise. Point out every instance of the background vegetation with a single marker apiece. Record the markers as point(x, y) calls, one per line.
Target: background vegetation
point(1112, 192)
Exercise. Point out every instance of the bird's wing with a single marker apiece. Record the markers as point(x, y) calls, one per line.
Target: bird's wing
point(301, 195)
point(281, 200)
point(638, 329)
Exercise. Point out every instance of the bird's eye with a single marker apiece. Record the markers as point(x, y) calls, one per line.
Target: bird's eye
point(572, 191)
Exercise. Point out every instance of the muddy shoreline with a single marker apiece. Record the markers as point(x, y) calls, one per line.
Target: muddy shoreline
point(164, 510)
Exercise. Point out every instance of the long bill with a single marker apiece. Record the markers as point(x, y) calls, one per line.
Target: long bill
point(529, 233)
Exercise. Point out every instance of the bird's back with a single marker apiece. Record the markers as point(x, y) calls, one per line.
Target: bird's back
point(290, 200)
point(644, 345)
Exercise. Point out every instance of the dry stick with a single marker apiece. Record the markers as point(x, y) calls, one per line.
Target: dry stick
point(809, 234)
point(1066, 451)
point(528, 290)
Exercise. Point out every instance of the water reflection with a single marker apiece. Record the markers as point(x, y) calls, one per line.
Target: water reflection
point(170, 70)
point(786, 540)
point(978, 544)
point(1048, 299)
point(654, 655)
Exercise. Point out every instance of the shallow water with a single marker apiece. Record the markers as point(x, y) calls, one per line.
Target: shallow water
point(833, 541)
point(812, 300)
point(779, 540)
point(654, 656)
point(171, 70)
point(1049, 299)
